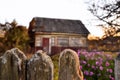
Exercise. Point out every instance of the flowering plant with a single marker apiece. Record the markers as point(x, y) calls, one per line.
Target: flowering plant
point(96, 65)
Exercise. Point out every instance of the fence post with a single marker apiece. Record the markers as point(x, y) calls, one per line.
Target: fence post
point(12, 65)
point(117, 68)
point(40, 67)
point(69, 66)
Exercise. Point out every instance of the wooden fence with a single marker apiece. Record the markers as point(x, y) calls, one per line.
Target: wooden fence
point(14, 65)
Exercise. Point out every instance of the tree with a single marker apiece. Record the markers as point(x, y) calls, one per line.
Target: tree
point(107, 11)
point(16, 36)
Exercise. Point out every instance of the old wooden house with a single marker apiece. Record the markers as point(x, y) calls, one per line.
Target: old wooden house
point(54, 35)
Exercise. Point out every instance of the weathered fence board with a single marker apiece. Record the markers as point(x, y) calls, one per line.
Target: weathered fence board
point(12, 65)
point(69, 66)
point(117, 68)
point(40, 67)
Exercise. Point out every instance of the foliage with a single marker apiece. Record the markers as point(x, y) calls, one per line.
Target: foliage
point(16, 36)
point(96, 65)
point(107, 11)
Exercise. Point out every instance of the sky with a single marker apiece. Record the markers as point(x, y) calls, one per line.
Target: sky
point(24, 10)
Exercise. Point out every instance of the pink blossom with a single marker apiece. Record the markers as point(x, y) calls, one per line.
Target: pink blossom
point(107, 63)
point(84, 62)
point(78, 53)
point(86, 73)
point(97, 63)
point(91, 73)
point(88, 65)
point(101, 68)
point(80, 67)
point(111, 78)
point(110, 70)
point(93, 67)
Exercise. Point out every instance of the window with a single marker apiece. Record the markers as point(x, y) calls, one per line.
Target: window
point(63, 41)
point(53, 41)
point(38, 41)
point(75, 42)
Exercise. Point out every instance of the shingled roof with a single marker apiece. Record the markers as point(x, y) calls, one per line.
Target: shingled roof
point(59, 25)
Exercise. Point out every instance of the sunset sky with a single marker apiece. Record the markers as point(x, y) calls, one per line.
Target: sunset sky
point(24, 10)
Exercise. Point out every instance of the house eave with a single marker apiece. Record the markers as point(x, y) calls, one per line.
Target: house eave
point(54, 33)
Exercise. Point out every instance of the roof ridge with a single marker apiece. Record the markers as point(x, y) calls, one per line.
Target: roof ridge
point(56, 18)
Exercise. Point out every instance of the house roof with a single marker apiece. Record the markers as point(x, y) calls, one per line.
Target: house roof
point(59, 25)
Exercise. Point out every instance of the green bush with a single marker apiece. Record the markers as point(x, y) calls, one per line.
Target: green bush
point(96, 65)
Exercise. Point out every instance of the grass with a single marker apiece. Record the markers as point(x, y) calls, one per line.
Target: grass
point(55, 60)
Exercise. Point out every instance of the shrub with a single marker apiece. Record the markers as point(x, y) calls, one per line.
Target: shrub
point(96, 65)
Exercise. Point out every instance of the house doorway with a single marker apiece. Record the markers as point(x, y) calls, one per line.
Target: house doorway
point(46, 45)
